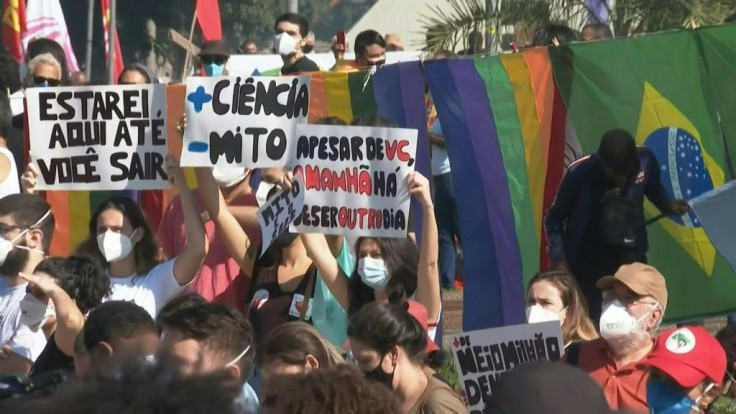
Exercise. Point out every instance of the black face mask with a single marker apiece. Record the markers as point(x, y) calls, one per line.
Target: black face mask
point(379, 375)
point(285, 239)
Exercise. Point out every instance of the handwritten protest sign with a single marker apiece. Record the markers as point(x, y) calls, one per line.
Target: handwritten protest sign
point(99, 138)
point(481, 357)
point(277, 213)
point(355, 179)
point(243, 121)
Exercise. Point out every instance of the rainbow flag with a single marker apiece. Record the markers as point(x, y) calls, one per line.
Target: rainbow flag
point(657, 88)
point(395, 92)
point(497, 115)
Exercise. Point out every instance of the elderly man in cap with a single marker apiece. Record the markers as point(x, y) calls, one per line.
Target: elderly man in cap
point(686, 370)
point(634, 301)
point(213, 57)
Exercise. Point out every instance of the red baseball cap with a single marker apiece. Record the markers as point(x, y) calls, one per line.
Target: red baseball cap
point(419, 312)
point(689, 355)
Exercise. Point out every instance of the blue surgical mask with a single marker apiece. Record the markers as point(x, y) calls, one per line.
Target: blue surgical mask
point(213, 69)
point(664, 397)
point(373, 272)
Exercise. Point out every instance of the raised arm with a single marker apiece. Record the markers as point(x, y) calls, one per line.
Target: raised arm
point(189, 261)
point(228, 228)
point(428, 273)
point(69, 319)
point(319, 251)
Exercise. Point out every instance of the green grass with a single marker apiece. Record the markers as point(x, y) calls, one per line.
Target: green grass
point(448, 372)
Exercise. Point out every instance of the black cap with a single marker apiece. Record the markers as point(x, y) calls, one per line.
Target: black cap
point(214, 48)
point(547, 387)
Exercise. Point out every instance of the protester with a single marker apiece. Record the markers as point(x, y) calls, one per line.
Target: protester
point(43, 71)
point(386, 262)
point(70, 288)
point(634, 302)
point(370, 51)
point(726, 404)
point(393, 43)
point(546, 387)
point(294, 348)
point(549, 34)
point(474, 44)
point(213, 57)
point(249, 47)
point(121, 239)
point(136, 74)
point(118, 335)
point(290, 32)
point(78, 79)
point(44, 45)
point(26, 229)
point(596, 31)
point(390, 347)
point(340, 389)
point(9, 180)
point(555, 295)
point(687, 369)
point(596, 223)
point(209, 337)
point(445, 205)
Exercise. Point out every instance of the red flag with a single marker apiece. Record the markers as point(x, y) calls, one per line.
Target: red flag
point(208, 16)
point(14, 24)
point(106, 25)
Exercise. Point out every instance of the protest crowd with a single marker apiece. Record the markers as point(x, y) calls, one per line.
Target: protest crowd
point(300, 266)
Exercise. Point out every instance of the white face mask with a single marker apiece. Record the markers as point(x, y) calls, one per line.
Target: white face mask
point(228, 177)
point(616, 322)
point(34, 313)
point(6, 246)
point(284, 44)
point(373, 272)
point(115, 246)
point(537, 314)
point(239, 357)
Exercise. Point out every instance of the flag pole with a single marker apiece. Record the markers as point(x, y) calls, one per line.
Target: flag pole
point(111, 42)
point(90, 30)
point(185, 71)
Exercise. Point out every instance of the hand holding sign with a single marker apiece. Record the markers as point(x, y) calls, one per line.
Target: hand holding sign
point(279, 211)
point(174, 171)
point(419, 188)
point(28, 179)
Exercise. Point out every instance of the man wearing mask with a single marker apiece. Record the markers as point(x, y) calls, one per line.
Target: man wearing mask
point(370, 51)
point(290, 33)
point(634, 301)
point(213, 57)
point(596, 223)
point(203, 338)
point(26, 228)
point(687, 368)
point(220, 278)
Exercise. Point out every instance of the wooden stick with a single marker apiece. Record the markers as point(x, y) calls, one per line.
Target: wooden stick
point(185, 71)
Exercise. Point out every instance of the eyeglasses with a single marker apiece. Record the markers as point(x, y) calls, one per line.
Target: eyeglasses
point(217, 60)
point(39, 80)
point(627, 299)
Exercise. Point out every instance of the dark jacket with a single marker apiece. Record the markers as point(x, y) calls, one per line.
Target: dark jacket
point(571, 223)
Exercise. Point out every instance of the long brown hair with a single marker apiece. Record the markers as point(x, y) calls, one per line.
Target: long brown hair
point(290, 343)
point(146, 251)
point(577, 325)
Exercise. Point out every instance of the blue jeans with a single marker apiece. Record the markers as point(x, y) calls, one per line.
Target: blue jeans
point(445, 209)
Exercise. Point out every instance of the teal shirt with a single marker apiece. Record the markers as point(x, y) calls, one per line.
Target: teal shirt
point(328, 316)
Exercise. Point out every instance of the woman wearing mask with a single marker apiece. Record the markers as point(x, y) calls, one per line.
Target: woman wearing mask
point(389, 346)
point(556, 296)
point(385, 263)
point(294, 348)
point(120, 237)
point(67, 288)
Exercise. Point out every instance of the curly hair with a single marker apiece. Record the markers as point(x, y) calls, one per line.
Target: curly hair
point(80, 278)
point(341, 389)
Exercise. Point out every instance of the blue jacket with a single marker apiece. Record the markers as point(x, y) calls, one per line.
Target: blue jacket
point(571, 223)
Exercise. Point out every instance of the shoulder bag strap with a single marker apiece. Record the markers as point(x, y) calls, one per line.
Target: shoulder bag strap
point(311, 276)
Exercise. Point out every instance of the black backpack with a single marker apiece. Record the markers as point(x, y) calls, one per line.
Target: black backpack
point(621, 219)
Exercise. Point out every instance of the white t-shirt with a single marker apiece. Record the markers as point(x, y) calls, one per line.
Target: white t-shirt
point(151, 291)
point(11, 184)
point(24, 342)
point(440, 160)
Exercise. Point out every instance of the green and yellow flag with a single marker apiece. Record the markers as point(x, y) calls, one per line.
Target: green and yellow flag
point(657, 87)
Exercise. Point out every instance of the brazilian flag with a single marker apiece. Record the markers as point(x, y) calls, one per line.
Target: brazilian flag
point(658, 88)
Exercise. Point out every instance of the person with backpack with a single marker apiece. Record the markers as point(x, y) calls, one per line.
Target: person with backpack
point(596, 223)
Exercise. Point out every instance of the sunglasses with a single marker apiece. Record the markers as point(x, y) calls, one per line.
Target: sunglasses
point(217, 60)
point(38, 80)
